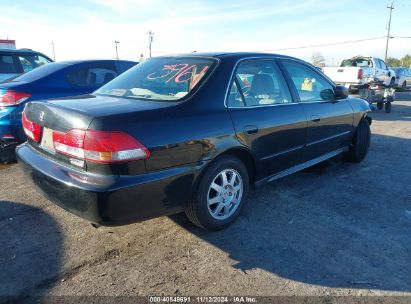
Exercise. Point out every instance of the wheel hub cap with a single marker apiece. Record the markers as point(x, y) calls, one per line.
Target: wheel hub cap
point(224, 194)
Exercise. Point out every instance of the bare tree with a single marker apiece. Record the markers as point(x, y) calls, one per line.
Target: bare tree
point(318, 59)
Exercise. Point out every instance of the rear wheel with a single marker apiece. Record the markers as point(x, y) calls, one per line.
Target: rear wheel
point(360, 143)
point(388, 107)
point(220, 194)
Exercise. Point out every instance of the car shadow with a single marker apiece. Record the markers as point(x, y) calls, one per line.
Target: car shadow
point(337, 225)
point(31, 251)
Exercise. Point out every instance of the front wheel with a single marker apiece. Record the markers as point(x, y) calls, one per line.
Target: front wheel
point(360, 142)
point(220, 194)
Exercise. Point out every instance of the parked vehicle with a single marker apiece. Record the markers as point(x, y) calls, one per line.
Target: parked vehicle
point(16, 62)
point(402, 78)
point(49, 81)
point(188, 133)
point(354, 73)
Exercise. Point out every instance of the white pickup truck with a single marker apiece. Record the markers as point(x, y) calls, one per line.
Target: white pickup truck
point(354, 73)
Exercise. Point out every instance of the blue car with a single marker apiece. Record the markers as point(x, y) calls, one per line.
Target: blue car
point(53, 80)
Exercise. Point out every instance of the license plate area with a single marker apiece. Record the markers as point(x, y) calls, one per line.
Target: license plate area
point(47, 141)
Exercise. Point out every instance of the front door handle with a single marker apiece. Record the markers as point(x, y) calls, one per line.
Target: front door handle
point(315, 118)
point(251, 129)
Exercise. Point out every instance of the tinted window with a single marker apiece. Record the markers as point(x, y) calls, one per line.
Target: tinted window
point(310, 85)
point(258, 83)
point(91, 76)
point(123, 66)
point(165, 79)
point(31, 61)
point(8, 64)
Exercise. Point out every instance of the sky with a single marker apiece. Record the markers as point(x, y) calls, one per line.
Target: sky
point(86, 29)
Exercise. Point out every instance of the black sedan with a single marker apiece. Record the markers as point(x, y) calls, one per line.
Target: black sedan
point(188, 133)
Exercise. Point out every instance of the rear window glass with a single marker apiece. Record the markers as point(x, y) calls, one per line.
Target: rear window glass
point(8, 65)
point(162, 79)
point(356, 62)
point(40, 72)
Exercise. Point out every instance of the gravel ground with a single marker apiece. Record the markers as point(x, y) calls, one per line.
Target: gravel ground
point(335, 229)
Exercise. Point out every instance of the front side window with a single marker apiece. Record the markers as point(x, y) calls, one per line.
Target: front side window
point(258, 83)
point(161, 79)
point(310, 85)
point(32, 61)
point(383, 65)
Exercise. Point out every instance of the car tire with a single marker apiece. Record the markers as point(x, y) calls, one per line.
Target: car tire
point(380, 105)
point(392, 82)
point(218, 201)
point(404, 86)
point(387, 107)
point(360, 142)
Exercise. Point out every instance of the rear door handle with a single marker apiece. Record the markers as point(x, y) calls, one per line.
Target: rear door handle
point(251, 129)
point(315, 118)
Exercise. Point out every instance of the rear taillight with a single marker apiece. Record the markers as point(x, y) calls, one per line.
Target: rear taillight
point(11, 98)
point(99, 146)
point(31, 129)
point(360, 74)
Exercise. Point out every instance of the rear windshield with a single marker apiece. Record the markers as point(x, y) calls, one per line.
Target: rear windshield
point(161, 79)
point(356, 62)
point(39, 72)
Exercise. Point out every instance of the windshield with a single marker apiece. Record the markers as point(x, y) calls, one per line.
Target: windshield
point(356, 62)
point(162, 79)
point(39, 72)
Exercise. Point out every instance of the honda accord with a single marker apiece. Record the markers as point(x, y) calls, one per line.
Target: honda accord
point(188, 133)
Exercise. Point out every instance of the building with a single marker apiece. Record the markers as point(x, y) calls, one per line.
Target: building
point(8, 44)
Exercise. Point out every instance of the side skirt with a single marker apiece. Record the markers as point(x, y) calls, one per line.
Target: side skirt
point(299, 167)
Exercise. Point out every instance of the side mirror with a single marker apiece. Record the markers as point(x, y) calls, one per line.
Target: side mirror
point(340, 92)
point(389, 74)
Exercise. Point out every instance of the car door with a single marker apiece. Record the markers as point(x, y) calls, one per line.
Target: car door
point(330, 122)
point(265, 117)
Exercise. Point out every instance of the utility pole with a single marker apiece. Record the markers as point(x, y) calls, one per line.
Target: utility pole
point(150, 41)
point(54, 53)
point(391, 7)
point(116, 42)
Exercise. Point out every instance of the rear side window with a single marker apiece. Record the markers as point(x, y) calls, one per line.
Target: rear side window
point(31, 61)
point(258, 83)
point(310, 85)
point(91, 76)
point(161, 79)
point(8, 65)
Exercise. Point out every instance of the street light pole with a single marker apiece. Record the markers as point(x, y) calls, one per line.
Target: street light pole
point(54, 53)
point(116, 42)
point(391, 7)
point(150, 41)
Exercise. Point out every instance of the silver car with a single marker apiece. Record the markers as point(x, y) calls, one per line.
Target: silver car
point(402, 78)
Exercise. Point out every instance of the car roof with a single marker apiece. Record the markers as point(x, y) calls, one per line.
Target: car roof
point(72, 62)
point(19, 51)
point(231, 55)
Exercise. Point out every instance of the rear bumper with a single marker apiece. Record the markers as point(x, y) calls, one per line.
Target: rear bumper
point(109, 200)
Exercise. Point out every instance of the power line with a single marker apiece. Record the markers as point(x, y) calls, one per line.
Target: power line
point(325, 44)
